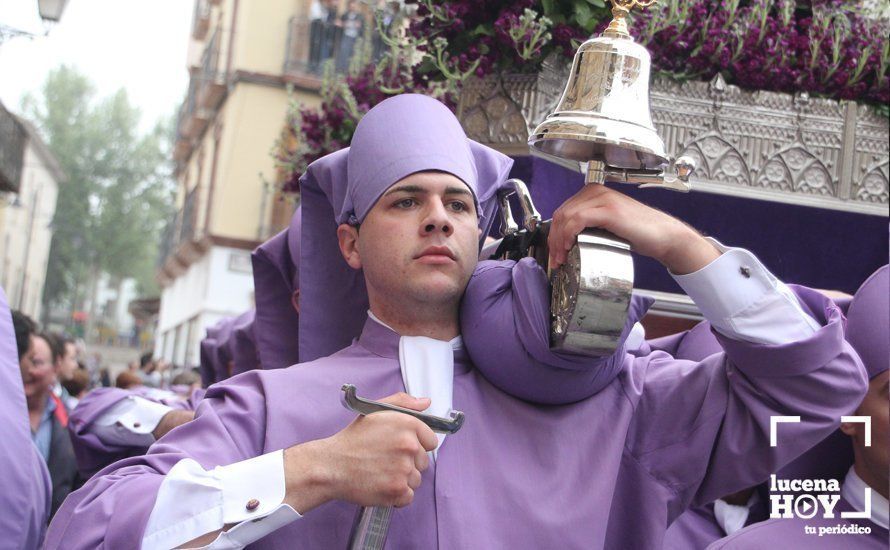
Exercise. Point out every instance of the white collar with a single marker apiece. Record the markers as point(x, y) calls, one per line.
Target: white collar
point(456, 343)
point(858, 494)
point(427, 367)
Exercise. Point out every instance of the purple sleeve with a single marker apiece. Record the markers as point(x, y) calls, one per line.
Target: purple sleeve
point(24, 485)
point(91, 452)
point(112, 509)
point(509, 301)
point(694, 344)
point(714, 416)
point(696, 528)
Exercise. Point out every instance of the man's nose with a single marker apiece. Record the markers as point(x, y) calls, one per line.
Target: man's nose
point(436, 219)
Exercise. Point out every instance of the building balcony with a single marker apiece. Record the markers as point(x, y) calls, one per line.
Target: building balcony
point(13, 138)
point(181, 241)
point(201, 20)
point(195, 123)
point(316, 44)
point(182, 148)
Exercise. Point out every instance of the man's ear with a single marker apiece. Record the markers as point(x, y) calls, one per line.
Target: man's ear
point(849, 428)
point(347, 236)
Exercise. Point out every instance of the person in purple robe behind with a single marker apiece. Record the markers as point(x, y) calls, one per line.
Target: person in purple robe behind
point(25, 488)
point(276, 282)
point(112, 423)
point(699, 527)
point(864, 490)
point(206, 358)
point(272, 459)
point(241, 344)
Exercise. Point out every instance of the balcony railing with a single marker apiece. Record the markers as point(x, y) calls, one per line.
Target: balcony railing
point(13, 138)
point(329, 40)
point(181, 230)
point(168, 242)
point(212, 88)
point(189, 215)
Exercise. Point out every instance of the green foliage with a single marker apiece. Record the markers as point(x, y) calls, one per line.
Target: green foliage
point(111, 210)
point(585, 14)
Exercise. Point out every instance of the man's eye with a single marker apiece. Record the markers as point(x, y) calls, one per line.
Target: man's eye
point(405, 203)
point(458, 206)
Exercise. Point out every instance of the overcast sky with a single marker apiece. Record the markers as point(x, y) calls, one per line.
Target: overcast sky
point(139, 45)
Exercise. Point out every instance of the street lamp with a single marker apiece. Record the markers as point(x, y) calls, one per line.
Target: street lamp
point(51, 10)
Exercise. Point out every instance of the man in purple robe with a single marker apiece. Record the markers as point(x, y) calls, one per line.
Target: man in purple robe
point(25, 489)
point(865, 488)
point(272, 458)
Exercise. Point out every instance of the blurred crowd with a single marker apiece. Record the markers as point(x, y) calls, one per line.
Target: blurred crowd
point(57, 375)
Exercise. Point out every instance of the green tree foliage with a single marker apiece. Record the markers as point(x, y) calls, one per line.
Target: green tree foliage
point(118, 195)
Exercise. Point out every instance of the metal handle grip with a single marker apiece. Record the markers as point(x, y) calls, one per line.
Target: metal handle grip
point(372, 522)
point(366, 406)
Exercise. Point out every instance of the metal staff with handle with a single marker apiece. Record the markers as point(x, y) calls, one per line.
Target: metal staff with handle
point(372, 522)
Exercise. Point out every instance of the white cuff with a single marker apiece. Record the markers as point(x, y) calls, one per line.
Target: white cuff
point(192, 502)
point(248, 532)
point(732, 517)
point(129, 422)
point(743, 300)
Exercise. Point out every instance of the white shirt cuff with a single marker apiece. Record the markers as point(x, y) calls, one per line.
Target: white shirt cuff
point(743, 300)
point(192, 502)
point(129, 422)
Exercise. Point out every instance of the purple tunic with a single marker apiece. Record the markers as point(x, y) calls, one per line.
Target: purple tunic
point(790, 533)
point(220, 351)
point(91, 453)
point(25, 488)
point(241, 344)
point(694, 344)
point(207, 367)
point(276, 276)
point(214, 357)
point(694, 529)
point(609, 471)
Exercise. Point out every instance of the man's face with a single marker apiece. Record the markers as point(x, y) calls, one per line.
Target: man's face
point(875, 458)
point(67, 364)
point(38, 374)
point(420, 241)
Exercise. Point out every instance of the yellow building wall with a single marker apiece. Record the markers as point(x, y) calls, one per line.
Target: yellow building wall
point(261, 35)
point(252, 121)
